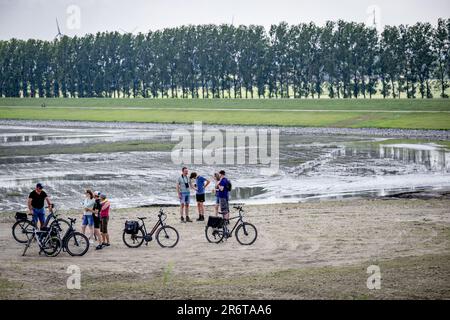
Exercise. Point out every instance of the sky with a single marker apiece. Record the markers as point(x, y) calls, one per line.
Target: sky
point(36, 19)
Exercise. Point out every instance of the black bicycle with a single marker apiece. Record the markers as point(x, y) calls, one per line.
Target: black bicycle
point(74, 243)
point(135, 234)
point(217, 229)
point(46, 238)
point(23, 226)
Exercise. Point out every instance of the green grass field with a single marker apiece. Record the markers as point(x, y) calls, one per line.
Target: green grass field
point(377, 113)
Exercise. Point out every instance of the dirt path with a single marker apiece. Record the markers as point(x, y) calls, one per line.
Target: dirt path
point(313, 250)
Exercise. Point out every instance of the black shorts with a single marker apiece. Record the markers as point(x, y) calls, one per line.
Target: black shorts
point(200, 197)
point(96, 221)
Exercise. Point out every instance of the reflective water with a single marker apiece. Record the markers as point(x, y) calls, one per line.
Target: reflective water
point(311, 167)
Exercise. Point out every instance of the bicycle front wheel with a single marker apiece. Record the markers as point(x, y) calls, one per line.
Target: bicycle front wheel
point(52, 247)
point(76, 244)
point(22, 231)
point(214, 235)
point(61, 225)
point(167, 237)
point(246, 234)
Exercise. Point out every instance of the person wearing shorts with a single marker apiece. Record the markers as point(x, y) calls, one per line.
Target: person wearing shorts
point(88, 218)
point(36, 201)
point(184, 194)
point(222, 185)
point(96, 218)
point(200, 186)
point(104, 219)
point(216, 193)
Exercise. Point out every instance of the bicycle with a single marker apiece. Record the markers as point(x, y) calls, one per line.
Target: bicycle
point(47, 240)
point(73, 242)
point(23, 226)
point(246, 233)
point(166, 236)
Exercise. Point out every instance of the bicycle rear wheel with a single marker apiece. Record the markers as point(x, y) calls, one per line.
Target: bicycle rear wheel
point(52, 247)
point(167, 237)
point(22, 230)
point(76, 244)
point(133, 240)
point(246, 234)
point(214, 235)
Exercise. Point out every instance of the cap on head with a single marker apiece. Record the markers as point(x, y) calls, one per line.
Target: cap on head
point(97, 193)
point(103, 196)
point(222, 172)
point(39, 186)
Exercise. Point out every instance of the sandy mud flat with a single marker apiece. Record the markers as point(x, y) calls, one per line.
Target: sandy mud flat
point(303, 251)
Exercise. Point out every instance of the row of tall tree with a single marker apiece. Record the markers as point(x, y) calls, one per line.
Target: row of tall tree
point(341, 59)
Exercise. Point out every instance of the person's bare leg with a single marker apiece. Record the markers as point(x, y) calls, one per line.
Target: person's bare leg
point(83, 230)
point(98, 235)
point(187, 210)
point(107, 238)
point(181, 210)
point(216, 210)
point(91, 232)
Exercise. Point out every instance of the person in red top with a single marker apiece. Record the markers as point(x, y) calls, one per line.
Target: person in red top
point(104, 218)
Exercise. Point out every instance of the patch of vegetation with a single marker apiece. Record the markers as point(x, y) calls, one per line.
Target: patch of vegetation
point(128, 146)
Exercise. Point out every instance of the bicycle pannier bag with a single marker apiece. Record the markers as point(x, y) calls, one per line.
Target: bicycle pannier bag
point(21, 216)
point(215, 222)
point(131, 227)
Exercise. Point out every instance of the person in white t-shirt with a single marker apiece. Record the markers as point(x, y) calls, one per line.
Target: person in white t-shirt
point(88, 219)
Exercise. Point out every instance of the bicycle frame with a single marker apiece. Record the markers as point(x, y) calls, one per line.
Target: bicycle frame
point(238, 222)
point(159, 223)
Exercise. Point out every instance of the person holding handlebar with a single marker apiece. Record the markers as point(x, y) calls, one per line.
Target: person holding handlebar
point(36, 201)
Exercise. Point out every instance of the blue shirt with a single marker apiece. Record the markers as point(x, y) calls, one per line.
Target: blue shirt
point(200, 185)
point(224, 193)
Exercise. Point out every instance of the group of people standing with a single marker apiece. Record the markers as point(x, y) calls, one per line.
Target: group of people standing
point(96, 206)
point(96, 209)
point(198, 183)
point(96, 216)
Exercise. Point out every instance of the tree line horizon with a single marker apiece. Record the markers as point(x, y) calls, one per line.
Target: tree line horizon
point(342, 59)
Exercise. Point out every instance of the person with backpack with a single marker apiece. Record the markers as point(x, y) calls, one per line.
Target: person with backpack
point(216, 193)
point(224, 186)
point(200, 185)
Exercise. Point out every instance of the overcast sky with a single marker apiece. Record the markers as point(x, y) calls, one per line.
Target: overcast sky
point(36, 18)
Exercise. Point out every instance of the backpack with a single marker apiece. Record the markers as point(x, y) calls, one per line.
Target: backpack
point(131, 227)
point(228, 185)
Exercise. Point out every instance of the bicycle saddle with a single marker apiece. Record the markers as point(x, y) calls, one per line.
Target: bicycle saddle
point(143, 218)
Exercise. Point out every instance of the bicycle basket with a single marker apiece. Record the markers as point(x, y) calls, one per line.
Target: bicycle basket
point(215, 222)
point(21, 216)
point(131, 227)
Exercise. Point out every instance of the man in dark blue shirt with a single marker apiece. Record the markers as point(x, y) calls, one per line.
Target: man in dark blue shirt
point(222, 186)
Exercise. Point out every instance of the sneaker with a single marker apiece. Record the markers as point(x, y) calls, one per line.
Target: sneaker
point(200, 218)
point(91, 241)
point(99, 247)
point(105, 244)
point(182, 219)
point(188, 219)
